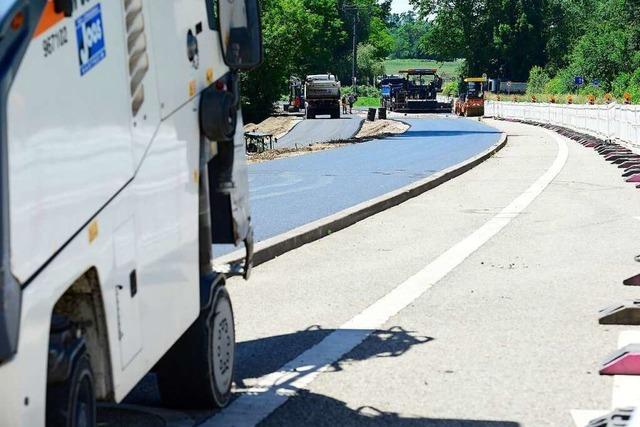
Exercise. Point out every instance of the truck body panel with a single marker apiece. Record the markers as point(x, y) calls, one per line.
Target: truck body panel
point(104, 142)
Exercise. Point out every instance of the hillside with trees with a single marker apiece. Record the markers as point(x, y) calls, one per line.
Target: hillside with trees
point(550, 41)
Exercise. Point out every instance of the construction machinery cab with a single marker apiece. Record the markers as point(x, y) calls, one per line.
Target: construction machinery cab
point(474, 87)
point(415, 90)
point(470, 100)
point(423, 82)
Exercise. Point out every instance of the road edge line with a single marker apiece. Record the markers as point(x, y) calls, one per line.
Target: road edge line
point(273, 247)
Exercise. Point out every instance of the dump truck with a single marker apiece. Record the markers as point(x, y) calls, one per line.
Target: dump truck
point(122, 164)
point(470, 101)
point(414, 91)
point(322, 95)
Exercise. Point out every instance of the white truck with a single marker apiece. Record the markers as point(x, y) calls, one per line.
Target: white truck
point(322, 95)
point(122, 161)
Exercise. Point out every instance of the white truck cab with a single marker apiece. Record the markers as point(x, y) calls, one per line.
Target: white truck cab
point(121, 162)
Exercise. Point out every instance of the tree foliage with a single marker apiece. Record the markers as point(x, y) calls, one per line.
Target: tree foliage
point(520, 39)
point(304, 37)
point(407, 30)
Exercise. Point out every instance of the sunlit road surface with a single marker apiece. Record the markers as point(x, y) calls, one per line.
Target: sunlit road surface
point(474, 304)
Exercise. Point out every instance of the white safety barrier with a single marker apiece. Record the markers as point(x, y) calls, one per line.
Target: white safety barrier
point(616, 122)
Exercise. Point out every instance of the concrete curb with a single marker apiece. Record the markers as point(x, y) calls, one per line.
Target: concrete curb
point(275, 246)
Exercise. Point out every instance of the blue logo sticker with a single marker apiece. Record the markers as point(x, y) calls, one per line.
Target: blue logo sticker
point(90, 35)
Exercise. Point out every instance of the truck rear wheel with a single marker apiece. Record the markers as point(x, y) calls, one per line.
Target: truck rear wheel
point(196, 373)
point(71, 400)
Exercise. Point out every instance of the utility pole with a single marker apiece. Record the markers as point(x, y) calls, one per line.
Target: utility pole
point(353, 9)
point(355, 49)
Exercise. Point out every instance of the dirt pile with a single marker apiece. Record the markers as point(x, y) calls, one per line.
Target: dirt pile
point(276, 126)
point(369, 130)
point(381, 127)
point(278, 153)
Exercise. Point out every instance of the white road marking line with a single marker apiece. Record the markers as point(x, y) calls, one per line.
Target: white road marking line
point(625, 387)
point(272, 390)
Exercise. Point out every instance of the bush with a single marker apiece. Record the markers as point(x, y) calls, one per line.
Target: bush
point(620, 84)
point(627, 82)
point(450, 89)
point(365, 91)
point(538, 79)
point(590, 89)
point(561, 83)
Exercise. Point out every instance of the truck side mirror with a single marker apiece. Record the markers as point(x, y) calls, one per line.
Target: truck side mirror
point(240, 35)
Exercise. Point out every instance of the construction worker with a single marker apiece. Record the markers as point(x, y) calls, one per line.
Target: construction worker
point(351, 101)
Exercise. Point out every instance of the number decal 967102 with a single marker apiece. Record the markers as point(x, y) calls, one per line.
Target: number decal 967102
point(54, 41)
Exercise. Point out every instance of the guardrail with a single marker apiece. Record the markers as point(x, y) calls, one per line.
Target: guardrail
point(610, 122)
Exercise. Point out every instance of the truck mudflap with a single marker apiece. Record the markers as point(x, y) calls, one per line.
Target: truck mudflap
point(18, 21)
point(227, 171)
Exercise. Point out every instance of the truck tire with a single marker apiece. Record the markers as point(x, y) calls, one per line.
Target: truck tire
point(196, 373)
point(310, 114)
point(71, 399)
point(336, 113)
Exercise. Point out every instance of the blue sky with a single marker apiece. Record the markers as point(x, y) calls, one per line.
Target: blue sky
point(399, 6)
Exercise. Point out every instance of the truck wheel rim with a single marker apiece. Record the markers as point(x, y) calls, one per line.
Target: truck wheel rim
point(223, 345)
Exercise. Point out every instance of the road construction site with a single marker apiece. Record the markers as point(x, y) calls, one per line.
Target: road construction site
point(398, 250)
point(473, 304)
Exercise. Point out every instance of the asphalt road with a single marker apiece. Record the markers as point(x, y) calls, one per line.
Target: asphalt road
point(290, 192)
point(474, 304)
point(321, 130)
point(508, 337)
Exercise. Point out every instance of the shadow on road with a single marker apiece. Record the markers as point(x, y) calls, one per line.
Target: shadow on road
point(310, 409)
point(260, 357)
point(265, 355)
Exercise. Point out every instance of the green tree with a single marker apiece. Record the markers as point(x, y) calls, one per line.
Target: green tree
point(406, 30)
point(538, 79)
point(602, 53)
point(380, 38)
point(369, 64)
point(304, 37)
point(300, 37)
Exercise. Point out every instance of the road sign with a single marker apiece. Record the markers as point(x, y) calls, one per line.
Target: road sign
point(579, 81)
